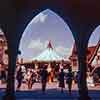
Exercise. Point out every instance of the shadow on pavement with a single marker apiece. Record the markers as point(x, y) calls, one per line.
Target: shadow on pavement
point(51, 94)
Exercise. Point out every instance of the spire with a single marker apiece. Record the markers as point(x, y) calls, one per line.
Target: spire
point(49, 45)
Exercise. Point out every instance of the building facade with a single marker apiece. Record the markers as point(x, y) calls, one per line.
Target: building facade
point(3, 50)
point(93, 56)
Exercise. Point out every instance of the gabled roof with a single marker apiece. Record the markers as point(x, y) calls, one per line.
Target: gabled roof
point(91, 52)
point(95, 52)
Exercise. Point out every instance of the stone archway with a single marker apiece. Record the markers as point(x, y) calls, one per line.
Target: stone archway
point(81, 44)
point(32, 30)
point(79, 17)
point(13, 54)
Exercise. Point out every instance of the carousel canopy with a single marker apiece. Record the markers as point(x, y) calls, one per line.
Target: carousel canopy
point(48, 55)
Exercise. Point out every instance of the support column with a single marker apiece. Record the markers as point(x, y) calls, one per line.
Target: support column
point(10, 90)
point(82, 84)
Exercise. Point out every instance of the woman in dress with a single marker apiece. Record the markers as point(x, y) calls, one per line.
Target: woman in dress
point(69, 79)
point(61, 80)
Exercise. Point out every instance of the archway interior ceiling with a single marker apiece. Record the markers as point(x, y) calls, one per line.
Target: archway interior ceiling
point(85, 10)
point(80, 14)
point(82, 17)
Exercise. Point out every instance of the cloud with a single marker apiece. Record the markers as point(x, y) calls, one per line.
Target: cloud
point(39, 18)
point(38, 44)
point(63, 51)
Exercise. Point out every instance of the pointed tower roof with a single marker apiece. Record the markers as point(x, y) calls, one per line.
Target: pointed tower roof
point(48, 54)
point(49, 45)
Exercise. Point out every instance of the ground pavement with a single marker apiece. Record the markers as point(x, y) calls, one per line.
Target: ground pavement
point(52, 92)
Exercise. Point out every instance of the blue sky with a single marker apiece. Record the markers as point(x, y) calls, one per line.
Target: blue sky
point(46, 26)
point(94, 37)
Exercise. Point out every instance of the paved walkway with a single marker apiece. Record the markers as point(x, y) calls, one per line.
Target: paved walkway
point(52, 93)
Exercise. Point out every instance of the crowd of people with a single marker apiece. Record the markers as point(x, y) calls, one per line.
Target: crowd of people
point(45, 74)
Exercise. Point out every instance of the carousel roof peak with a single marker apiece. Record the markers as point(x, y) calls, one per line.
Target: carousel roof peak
point(49, 45)
point(48, 54)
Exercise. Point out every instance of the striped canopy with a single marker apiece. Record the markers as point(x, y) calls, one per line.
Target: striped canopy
point(48, 55)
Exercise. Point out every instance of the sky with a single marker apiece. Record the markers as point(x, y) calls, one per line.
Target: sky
point(95, 37)
point(48, 26)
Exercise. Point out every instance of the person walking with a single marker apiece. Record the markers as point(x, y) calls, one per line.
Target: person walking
point(3, 75)
point(19, 77)
point(69, 79)
point(61, 80)
point(44, 76)
point(32, 79)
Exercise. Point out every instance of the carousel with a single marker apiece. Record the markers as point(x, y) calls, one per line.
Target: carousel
point(49, 59)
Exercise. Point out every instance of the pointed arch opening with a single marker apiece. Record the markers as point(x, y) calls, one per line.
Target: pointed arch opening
point(47, 40)
point(93, 57)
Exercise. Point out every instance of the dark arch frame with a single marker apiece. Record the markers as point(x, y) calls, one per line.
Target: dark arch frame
point(30, 14)
point(67, 20)
point(20, 29)
point(14, 32)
